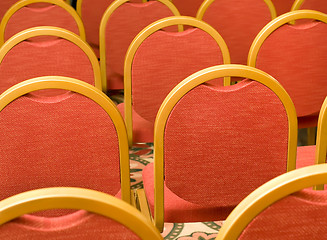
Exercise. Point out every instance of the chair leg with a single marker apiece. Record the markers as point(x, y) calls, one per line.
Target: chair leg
point(311, 135)
point(143, 204)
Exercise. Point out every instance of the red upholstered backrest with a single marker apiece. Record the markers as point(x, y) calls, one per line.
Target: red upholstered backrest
point(92, 12)
point(297, 57)
point(282, 6)
point(163, 60)
point(66, 140)
point(301, 215)
point(318, 5)
point(4, 6)
point(216, 152)
point(188, 7)
point(238, 22)
point(52, 57)
point(49, 15)
point(123, 25)
point(79, 225)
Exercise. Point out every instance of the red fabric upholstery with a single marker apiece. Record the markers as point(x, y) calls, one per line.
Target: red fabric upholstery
point(52, 57)
point(142, 129)
point(216, 152)
point(92, 12)
point(4, 6)
point(236, 137)
point(50, 15)
point(318, 5)
point(178, 209)
point(297, 57)
point(299, 216)
point(67, 140)
point(188, 7)
point(238, 22)
point(282, 6)
point(163, 60)
point(79, 225)
point(305, 156)
point(123, 25)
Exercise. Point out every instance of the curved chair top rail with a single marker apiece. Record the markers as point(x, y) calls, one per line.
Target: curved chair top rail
point(193, 81)
point(205, 4)
point(20, 4)
point(78, 198)
point(276, 23)
point(113, 6)
point(268, 194)
point(146, 32)
point(58, 32)
point(83, 88)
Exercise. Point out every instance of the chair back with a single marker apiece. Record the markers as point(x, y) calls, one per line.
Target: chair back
point(156, 61)
point(282, 209)
point(296, 55)
point(282, 6)
point(77, 139)
point(23, 15)
point(318, 5)
point(106, 217)
point(121, 22)
point(238, 22)
point(212, 152)
point(66, 55)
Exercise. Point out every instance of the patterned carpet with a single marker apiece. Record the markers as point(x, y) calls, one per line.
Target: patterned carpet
point(141, 155)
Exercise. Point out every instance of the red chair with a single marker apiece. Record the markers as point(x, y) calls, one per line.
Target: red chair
point(210, 153)
point(121, 22)
point(188, 7)
point(66, 55)
point(238, 22)
point(77, 139)
point(23, 14)
point(282, 209)
point(106, 217)
point(156, 61)
point(296, 55)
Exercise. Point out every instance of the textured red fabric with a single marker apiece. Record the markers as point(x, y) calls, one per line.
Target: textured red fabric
point(4, 6)
point(318, 5)
point(238, 22)
point(178, 209)
point(50, 15)
point(123, 25)
point(216, 152)
point(67, 140)
point(282, 6)
point(163, 60)
point(299, 216)
point(188, 7)
point(297, 57)
point(79, 225)
point(52, 57)
point(142, 129)
point(305, 156)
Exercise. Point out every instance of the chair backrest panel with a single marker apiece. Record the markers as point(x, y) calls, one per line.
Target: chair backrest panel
point(51, 142)
point(175, 55)
point(202, 123)
point(28, 17)
point(47, 58)
point(318, 5)
point(124, 24)
point(305, 210)
point(297, 57)
point(238, 22)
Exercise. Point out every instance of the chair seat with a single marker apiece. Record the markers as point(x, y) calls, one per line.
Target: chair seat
point(142, 129)
point(176, 208)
